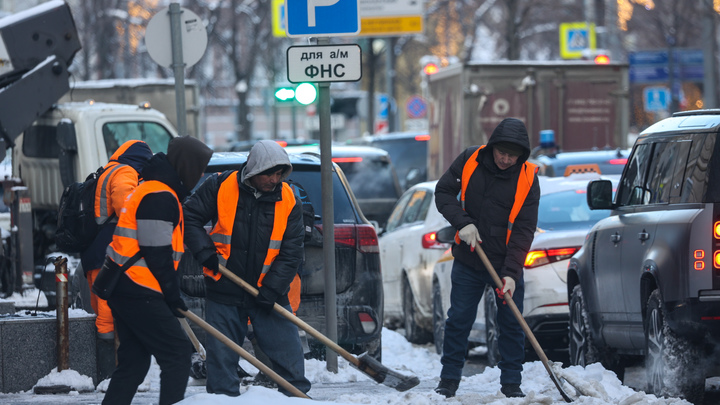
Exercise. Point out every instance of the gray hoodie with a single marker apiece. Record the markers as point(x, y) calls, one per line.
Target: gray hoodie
point(265, 155)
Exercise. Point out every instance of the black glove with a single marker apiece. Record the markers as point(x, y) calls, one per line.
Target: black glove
point(265, 299)
point(212, 263)
point(176, 304)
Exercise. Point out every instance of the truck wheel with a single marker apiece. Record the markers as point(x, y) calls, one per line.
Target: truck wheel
point(672, 363)
point(491, 327)
point(582, 349)
point(414, 333)
point(438, 318)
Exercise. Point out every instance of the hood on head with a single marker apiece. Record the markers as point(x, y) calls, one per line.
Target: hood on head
point(265, 155)
point(134, 153)
point(189, 157)
point(512, 130)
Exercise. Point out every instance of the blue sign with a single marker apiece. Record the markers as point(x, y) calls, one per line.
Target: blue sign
point(656, 98)
point(654, 66)
point(322, 18)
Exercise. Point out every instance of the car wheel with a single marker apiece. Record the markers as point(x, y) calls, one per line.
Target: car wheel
point(672, 363)
point(491, 327)
point(438, 318)
point(413, 332)
point(582, 348)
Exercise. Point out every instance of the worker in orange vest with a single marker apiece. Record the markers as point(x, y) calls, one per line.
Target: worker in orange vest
point(257, 233)
point(497, 206)
point(146, 248)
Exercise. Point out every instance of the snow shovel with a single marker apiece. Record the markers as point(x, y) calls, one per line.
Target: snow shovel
point(196, 343)
point(523, 324)
point(244, 354)
point(364, 363)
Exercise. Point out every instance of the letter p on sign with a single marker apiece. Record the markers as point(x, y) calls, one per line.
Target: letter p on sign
point(311, 4)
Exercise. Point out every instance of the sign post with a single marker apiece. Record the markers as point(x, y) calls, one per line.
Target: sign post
point(324, 64)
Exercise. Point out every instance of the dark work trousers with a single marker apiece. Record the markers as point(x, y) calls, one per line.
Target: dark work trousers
point(277, 337)
point(468, 285)
point(146, 327)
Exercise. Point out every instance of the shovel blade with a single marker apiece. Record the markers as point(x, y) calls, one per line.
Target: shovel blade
point(383, 375)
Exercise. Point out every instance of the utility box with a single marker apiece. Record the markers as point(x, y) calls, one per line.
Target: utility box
point(583, 103)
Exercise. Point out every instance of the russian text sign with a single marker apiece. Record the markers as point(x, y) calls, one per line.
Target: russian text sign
point(324, 63)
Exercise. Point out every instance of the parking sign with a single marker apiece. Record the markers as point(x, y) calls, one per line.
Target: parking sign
point(325, 18)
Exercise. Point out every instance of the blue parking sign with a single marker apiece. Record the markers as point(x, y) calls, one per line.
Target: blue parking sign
point(324, 18)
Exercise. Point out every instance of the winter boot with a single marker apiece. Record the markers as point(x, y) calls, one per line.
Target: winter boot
point(447, 387)
point(512, 391)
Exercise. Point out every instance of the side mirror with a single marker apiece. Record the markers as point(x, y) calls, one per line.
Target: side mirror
point(446, 235)
point(67, 140)
point(599, 195)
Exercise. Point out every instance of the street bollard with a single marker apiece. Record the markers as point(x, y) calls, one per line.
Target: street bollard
point(61, 277)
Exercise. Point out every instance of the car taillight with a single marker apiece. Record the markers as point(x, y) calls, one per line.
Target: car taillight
point(716, 250)
point(347, 159)
point(619, 161)
point(429, 241)
point(360, 237)
point(536, 258)
point(422, 137)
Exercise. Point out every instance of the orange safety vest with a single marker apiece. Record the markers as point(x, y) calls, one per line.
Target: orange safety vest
point(103, 204)
point(221, 234)
point(527, 176)
point(125, 242)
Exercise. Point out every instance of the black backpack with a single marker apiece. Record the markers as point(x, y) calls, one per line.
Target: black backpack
point(312, 236)
point(76, 226)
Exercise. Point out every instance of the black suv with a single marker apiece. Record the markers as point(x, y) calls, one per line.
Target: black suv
point(357, 262)
point(646, 283)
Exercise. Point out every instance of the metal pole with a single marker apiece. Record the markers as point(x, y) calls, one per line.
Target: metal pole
point(178, 67)
point(328, 218)
point(61, 277)
point(390, 82)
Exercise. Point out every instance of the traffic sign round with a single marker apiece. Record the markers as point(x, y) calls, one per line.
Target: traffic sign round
point(416, 107)
point(159, 42)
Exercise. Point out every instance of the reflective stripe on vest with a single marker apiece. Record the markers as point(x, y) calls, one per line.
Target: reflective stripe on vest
point(221, 234)
point(125, 240)
point(102, 203)
point(525, 181)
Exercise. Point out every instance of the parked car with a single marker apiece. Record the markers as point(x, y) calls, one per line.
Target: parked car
point(605, 161)
point(563, 222)
point(357, 262)
point(646, 281)
point(408, 153)
point(371, 175)
point(245, 146)
point(408, 251)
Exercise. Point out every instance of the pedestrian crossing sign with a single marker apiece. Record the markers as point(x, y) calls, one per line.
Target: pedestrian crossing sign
point(575, 38)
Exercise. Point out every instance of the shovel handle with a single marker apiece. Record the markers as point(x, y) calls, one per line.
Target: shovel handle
point(521, 321)
point(244, 354)
point(196, 343)
point(294, 319)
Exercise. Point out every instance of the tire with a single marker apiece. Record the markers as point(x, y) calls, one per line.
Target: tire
point(413, 332)
point(491, 327)
point(582, 350)
point(673, 364)
point(438, 318)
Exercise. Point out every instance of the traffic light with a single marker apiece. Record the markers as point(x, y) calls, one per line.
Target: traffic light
point(284, 94)
point(306, 93)
point(430, 68)
point(430, 64)
point(602, 59)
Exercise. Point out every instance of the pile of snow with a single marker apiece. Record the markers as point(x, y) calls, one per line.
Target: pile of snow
point(68, 378)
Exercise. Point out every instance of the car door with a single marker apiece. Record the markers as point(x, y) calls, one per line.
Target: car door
point(391, 247)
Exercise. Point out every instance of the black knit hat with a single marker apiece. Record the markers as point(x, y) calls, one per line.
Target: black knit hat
point(509, 148)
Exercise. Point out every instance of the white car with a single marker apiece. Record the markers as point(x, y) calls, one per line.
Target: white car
point(563, 222)
point(408, 252)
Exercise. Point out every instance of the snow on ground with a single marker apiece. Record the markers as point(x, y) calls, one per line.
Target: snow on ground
point(350, 386)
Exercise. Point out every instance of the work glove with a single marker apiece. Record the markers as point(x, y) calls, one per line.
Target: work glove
point(470, 235)
point(176, 304)
point(508, 286)
point(212, 263)
point(265, 299)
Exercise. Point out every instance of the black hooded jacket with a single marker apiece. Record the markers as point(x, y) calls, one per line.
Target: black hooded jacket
point(489, 198)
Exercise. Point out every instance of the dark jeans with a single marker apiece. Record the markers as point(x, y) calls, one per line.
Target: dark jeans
point(277, 337)
point(146, 327)
point(468, 286)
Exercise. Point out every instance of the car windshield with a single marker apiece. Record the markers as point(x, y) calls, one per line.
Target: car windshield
point(369, 178)
point(567, 210)
point(409, 158)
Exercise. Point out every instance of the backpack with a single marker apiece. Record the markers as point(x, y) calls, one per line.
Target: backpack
point(312, 235)
point(76, 225)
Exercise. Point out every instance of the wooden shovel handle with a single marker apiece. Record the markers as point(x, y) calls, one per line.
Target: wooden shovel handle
point(294, 319)
point(244, 354)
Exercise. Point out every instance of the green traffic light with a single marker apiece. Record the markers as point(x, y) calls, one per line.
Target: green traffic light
point(305, 93)
point(285, 94)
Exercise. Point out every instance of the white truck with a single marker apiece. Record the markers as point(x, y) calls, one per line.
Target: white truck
point(52, 144)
